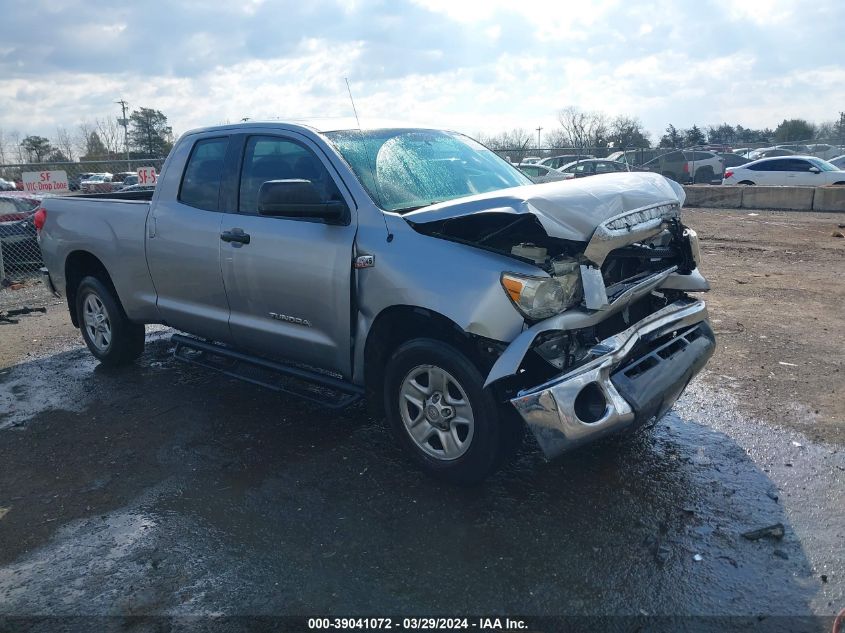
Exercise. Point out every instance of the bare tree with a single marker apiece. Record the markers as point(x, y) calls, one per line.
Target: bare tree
point(583, 129)
point(626, 131)
point(15, 141)
point(110, 134)
point(64, 142)
point(515, 141)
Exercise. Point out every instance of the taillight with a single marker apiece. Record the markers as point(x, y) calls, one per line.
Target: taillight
point(686, 168)
point(729, 173)
point(39, 218)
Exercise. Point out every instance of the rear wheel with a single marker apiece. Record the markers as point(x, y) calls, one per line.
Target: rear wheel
point(110, 336)
point(746, 182)
point(841, 182)
point(443, 417)
point(704, 175)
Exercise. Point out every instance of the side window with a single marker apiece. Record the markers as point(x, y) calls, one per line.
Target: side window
point(201, 180)
point(604, 168)
point(775, 165)
point(796, 164)
point(760, 166)
point(271, 158)
point(701, 156)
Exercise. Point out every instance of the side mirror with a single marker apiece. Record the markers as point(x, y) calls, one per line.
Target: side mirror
point(296, 198)
point(814, 170)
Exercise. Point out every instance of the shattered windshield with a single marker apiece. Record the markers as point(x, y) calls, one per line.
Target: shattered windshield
point(403, 170)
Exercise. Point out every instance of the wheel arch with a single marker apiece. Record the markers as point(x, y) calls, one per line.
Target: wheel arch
point(78, 265)
point(398, 324)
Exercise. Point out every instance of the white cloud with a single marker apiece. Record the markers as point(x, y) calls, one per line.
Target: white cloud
point(472, 66)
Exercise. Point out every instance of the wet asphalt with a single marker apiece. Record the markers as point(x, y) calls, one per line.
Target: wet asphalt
point(164, 488)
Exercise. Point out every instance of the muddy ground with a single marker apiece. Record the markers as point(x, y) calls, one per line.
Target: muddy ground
point(166, 489)
point(778, 306)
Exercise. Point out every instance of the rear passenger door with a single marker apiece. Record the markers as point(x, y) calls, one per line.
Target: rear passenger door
point(289, 287)
point(183, 240)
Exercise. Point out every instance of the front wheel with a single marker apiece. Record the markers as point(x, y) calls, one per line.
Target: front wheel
point(110, 336)
point(442, 416)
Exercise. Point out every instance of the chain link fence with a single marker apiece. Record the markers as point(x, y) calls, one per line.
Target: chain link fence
point(20, 254)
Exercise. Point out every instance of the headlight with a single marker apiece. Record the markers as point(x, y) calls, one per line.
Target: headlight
point(542, 297)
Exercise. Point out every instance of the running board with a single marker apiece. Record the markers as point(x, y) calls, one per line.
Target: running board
point(267, 373)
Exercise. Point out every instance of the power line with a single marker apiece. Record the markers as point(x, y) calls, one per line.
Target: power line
point(125, 123)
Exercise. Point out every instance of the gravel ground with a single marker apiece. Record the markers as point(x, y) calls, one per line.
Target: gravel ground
point(164, 489)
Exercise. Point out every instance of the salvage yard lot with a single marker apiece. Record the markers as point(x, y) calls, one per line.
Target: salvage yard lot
point(163, 488)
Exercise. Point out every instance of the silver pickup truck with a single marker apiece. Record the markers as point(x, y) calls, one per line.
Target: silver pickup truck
point(409, 266)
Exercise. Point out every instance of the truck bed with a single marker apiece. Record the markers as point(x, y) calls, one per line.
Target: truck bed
point(110, 227)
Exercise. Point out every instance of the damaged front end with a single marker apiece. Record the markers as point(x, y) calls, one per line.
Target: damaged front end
point(612, 337)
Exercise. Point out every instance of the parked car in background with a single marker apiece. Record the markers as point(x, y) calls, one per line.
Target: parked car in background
point(119, 179)
point(593, 166)
point(795, 148)
point(688, 166)
point(541, 173)
point(7, 185)
point(824, 150)
point(96, 183)
point(769, 152)
point(138, 187)
point(74, 183)
point(530, 160)
point(733, 160)
point(838, 162)
point(637, 157)
point(786, 170)
point(743, 151)
point(17, 231)
point(128, 181)
point(555, 162)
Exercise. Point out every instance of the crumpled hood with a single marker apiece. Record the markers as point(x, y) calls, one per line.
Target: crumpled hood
point(567, 209)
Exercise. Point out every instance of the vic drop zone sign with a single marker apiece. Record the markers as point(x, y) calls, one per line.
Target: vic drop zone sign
point(44, 181)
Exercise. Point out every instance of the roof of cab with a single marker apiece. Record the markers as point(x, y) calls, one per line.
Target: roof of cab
point(319, 125)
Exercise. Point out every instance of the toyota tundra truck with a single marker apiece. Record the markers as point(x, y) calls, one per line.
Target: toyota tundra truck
point(409, 266)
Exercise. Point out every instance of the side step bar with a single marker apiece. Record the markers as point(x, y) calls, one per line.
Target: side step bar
point(319, 388)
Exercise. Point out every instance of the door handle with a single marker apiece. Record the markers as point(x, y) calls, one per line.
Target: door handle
point(235, 235)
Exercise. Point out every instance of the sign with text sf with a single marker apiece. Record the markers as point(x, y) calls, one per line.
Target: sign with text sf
point(44, 181)
point(147, 176)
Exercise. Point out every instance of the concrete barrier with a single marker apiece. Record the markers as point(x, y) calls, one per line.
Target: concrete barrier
point(724, 197)
point(789, 198)
point(829, 199)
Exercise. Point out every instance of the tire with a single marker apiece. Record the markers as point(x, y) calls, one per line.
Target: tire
point(447, 447)
point(746, 182)
point(704, 175)
point(112, 338)
point(839, 183)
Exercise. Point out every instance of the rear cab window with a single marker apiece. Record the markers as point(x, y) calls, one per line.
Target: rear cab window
point(200, 186)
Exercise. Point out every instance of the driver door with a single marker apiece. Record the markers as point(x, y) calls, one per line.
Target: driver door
point(288, 280)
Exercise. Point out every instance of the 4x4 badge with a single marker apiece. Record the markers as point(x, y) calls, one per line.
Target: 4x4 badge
point(365, 261)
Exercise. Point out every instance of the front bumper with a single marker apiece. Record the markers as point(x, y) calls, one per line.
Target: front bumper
point(635, 376)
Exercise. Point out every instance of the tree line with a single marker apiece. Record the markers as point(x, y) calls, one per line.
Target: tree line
point(582, 129)
point(148, 136)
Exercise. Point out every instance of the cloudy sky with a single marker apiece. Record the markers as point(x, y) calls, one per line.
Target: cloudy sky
point(472, 66)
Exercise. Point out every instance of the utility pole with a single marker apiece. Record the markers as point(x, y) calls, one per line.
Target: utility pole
point(539, 129)
point(125, 123)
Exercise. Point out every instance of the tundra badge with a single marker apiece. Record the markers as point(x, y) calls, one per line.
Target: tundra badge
point(290, 319)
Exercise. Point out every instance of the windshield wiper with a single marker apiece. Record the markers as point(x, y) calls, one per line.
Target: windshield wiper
point(414, 208)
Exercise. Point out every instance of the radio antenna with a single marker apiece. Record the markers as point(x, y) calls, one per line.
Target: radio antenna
point(349, 90)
